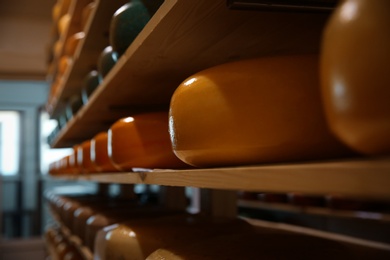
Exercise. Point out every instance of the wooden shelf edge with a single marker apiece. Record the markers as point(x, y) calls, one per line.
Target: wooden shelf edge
point(318, 233)
point(367, 178)
point(322, 211)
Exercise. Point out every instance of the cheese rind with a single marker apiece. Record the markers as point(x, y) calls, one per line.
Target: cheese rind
point(252, 111)
point(142, 141)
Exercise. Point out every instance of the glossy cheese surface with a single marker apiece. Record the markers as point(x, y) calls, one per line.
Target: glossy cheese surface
point(107, 60)
point(128, 21)
point(142, 141)
point(84, 157)
point(355, 63)
point(99, 153)
point(252, 111)
point(137, 239)
point(91, 82)
point(72, 43)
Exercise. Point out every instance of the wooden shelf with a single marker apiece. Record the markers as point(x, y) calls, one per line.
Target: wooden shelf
point(365, 178)
point(319, 234)
point(182, 38)
point(88, 51)
point(321, 211)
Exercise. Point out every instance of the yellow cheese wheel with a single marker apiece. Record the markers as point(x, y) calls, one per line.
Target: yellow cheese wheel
point(142, 141)
point(84, 157)
point(137, 239)
point(86, 13)
point(99, 153)
point(68, 211)
point(56, 12)
point(73, 160)
point(63, 23)
point(72, 42)
point(81, 216)
point(63, 65)
point(355, 63)
point(252, 111)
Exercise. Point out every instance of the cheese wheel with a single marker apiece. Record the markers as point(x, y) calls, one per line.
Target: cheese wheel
point(99, 153)
point(73, 105)
point(73, 160)
point(86, 13)
point(63, 24)
point(112, 215)
point(107, 60)
point(56, 12)
point(142, 141)
point(68, 211)
point(81, 216)
point(91, 81)
point(252, 111)
point(64, 64)
point(84, 157)
point(72, 42)
point(128, 21)
point(137, 239)
point(355, 62)
point(64, 165)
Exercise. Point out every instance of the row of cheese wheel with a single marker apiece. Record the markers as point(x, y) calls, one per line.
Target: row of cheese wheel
point(278, 109)
point(141, 141)
point(61, 246)
point(126, 23)
point(152, 233)
point(65, 44)
point(254, 111)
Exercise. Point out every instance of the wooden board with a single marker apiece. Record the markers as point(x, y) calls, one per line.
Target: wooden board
point(321, 211)
point(184, 37)
point(365, 178)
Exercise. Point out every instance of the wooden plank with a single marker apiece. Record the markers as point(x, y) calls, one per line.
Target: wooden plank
point(317, 233)
point(363, 178)
point(184, 37)
point(314, 210)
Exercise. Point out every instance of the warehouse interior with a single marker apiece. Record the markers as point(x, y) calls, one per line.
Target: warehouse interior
point(27, 150)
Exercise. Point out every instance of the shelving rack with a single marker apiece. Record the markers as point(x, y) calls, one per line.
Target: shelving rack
point(182, 38)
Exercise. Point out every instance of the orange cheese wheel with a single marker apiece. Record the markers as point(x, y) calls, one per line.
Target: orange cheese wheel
point(142, 141)
point(86, 13)
point(252, 111)
point(84, 157)
point(136, 239)
point(355, 63)
point(72, 42)
point(81, 216)
point(64, 64)
point(56, 12)
point(64, 165)
point(99, 153)
point(73, 160)
point(63, 23)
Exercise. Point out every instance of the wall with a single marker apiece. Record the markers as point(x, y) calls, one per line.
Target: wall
point(27, 98)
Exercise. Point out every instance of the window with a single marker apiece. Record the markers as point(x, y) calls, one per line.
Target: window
point(9, 142)
point(49, 155)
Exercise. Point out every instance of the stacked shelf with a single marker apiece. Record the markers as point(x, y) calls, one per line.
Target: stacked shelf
point(182, 38)
point(357, 178)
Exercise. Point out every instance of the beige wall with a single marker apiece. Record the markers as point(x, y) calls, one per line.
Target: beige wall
point(24, 34)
